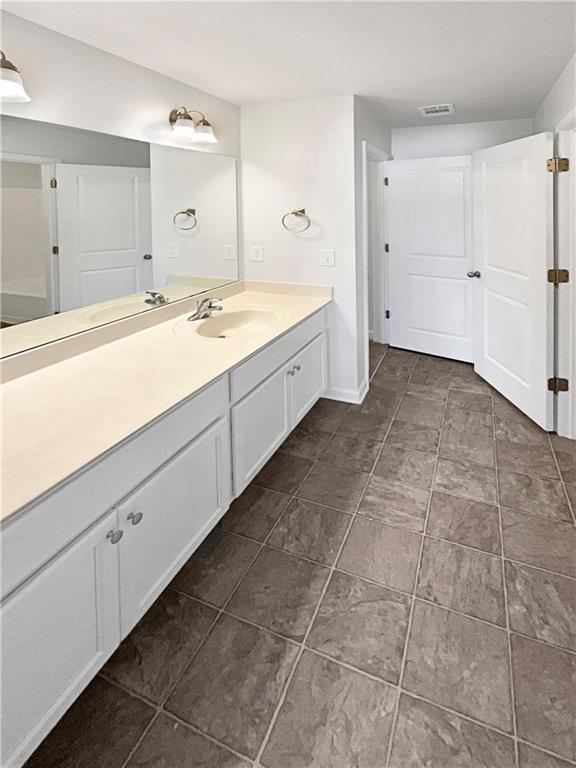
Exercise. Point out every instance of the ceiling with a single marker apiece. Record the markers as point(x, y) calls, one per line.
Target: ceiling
point(494, 60)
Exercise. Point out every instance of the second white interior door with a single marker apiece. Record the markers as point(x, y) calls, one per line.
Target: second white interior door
point(103, 233)
point(429, 236)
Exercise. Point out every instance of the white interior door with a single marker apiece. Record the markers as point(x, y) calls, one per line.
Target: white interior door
point(103, 233)
point(513, 249)
point(429, 236)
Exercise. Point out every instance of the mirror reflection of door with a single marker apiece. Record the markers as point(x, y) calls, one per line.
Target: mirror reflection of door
point(103, 233)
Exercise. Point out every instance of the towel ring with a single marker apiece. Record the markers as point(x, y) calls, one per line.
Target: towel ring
point(191, 213)
point(301, 214)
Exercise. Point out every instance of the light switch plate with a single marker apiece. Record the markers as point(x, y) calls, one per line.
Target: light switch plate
point(256, 253)
point(230, 252)
point(327, 257)
point(172, 251)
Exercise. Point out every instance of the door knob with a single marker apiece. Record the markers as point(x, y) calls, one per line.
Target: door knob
point(114, 536)
point(473, 273)
point(135, 517)
point(147, 256)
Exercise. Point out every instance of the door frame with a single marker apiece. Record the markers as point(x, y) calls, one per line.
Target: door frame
point(370, 152)
point(48, 172)
point(565, 258)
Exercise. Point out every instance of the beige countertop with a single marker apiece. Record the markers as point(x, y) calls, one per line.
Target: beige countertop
point(60, 418)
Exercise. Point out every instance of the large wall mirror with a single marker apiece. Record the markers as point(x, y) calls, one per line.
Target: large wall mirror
point(96, 228)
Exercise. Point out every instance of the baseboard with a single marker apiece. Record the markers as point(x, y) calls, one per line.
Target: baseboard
point(354, 396)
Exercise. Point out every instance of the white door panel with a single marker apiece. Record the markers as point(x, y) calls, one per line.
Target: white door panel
point(168, 517)
point(513, 248)
point(103, 233)
point(429, 222)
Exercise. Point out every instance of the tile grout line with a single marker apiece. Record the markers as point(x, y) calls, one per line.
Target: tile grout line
point(415, 587)
point(303, 646)
point(557, 463)
point(512, 691)
point(411, 530)
point(366, 580)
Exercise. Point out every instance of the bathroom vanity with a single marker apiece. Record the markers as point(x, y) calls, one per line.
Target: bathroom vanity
point(118, 463)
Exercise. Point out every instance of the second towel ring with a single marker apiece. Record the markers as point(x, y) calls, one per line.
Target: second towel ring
point(301, 214)
point(191, 213)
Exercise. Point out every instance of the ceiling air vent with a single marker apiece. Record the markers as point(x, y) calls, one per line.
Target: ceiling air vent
point(433, 110)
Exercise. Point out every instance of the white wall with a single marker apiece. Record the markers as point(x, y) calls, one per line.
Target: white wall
point(456, 139)
point(206, 183)
point(300, 154)
point(77, 85)
point(559, 102)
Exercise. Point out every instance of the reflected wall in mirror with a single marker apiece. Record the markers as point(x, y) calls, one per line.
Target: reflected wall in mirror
point(89, 228)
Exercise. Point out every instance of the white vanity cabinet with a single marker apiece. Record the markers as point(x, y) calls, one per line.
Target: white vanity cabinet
point(58, 629)
point(264, 418)
point(168, 516)
point(82, 564)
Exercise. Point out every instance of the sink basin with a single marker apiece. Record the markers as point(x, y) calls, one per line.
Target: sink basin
point(234, 324)
point(117, 309)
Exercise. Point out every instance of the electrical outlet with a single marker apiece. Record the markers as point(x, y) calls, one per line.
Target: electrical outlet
point(230, 252)
point(327, 257)
point(256, 253)
point(172, 251)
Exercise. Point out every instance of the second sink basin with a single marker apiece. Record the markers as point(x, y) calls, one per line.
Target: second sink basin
point(233, 324)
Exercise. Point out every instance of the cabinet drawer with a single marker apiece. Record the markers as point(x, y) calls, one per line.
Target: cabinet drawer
point(57, 631)
point(260, 423)
point(31, 538)
point(249, 374)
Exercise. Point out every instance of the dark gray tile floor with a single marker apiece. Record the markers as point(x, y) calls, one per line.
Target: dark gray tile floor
point(397, 589)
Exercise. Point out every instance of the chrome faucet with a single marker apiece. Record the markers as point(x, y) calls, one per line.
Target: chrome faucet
point(156, 299)
point(205, 308)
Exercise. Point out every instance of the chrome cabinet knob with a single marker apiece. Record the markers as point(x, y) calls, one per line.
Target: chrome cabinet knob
point(147, 256)
point(135, 517)
point(473, 273)
point(291, 372)
point(297, 367)
point(114, 536)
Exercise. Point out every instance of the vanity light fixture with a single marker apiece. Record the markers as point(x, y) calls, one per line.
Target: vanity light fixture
point(199, 130)
point(11, 85)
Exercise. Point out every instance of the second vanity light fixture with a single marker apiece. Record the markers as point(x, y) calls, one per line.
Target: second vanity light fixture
point(11, 85)
point(197, 130)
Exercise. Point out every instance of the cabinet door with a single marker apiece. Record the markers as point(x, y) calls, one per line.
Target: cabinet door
point(308, 381)
point(260, 422)
point(57, 631)
point(168, 516)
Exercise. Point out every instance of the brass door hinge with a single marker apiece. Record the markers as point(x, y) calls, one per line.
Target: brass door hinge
point(55, 250)
point(558, 385)
point(558, 164)
point(558, 276)
point(53, 183)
